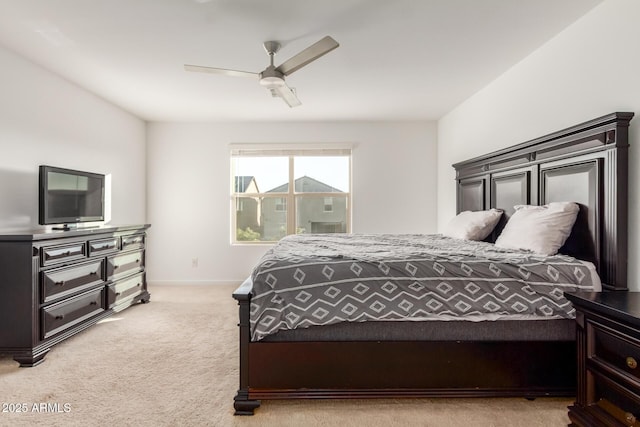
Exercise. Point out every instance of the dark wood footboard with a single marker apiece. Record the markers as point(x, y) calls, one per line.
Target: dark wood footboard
point(389, 369)
point(386, 369)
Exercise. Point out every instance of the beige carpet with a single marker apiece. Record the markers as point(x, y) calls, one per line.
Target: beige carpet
point(173, 362)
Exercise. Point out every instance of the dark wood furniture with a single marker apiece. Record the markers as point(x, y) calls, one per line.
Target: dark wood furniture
point(54, 284)
point(586, 164)
point(608, 341)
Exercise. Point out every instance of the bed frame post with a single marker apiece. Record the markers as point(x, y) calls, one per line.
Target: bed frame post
point(241, 402)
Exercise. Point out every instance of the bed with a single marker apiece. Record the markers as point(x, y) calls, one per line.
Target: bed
point(389, 356)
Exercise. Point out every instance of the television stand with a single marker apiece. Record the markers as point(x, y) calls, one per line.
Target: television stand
point(69, 227)
point(64, 227)
point(54, 285)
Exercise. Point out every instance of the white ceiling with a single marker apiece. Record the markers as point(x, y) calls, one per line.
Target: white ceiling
point(397, 60)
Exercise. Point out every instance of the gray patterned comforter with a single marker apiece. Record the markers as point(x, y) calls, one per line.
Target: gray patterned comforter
point(309, 280)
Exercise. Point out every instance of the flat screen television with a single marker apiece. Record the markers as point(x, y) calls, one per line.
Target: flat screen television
point(69, 196)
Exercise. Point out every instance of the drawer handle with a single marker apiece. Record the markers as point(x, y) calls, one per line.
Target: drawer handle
point(94, 273)
point(117, 294)
point(93, 303)
point(139, 284)
point(59, 317)
point(632, 363)
point(630, 418)
point(115, 267)
point(137, 261)
point(60, 283)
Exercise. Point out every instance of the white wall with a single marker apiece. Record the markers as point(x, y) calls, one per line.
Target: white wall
point(394, 173)
point(47, 120)
point(590, 69)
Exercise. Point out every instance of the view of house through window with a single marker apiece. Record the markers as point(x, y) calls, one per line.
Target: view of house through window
point(281, 192)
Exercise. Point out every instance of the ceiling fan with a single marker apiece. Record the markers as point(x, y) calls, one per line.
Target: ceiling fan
point(272, 77)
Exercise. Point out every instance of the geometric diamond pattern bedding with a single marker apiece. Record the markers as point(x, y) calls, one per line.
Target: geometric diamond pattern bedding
point(309, 279)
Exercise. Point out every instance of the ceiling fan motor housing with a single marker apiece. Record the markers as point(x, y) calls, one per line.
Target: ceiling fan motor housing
point(271, 78)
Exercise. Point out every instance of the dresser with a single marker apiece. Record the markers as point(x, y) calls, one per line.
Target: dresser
point(608, 340)
point(54, 284)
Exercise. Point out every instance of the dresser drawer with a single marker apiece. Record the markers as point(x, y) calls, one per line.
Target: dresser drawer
point(63, 315)
point(61, 282)
point(135, 241)
point(124, 290)
point(616, 350)
point(128, 263)
point(56, 254)
point(104, 246)
point(616, 402)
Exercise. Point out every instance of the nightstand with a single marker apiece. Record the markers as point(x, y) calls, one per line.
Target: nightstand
point(608, 347)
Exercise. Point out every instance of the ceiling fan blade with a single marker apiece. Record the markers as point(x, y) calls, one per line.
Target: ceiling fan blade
point(308, 55)
point(235, 73)
point(286, 93)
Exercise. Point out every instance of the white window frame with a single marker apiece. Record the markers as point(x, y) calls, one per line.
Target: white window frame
point(291, 151)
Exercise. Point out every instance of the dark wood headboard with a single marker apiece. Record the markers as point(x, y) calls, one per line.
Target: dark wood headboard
point(586, 164)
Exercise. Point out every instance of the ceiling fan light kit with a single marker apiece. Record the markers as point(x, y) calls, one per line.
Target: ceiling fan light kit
point(272, 77)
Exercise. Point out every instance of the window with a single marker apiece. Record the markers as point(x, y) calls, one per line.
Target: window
point(281, 191)
point(281, 205)
point(328, 204)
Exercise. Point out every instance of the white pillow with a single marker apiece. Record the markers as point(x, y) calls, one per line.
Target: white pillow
point(542, 229)
point(470, 225)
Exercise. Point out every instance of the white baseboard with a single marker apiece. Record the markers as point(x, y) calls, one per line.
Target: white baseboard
point(193, 282)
